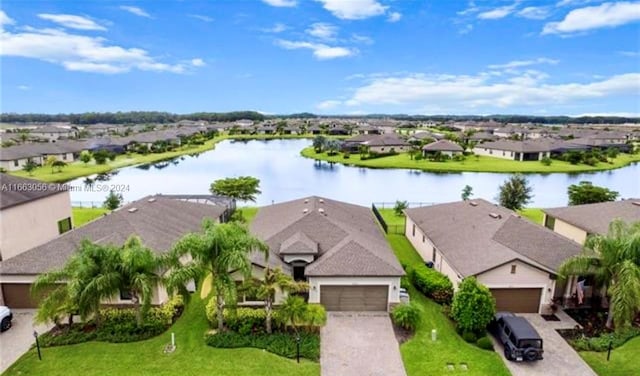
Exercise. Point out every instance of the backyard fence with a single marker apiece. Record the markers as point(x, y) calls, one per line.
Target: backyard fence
point(388, 228)
point(91, 204)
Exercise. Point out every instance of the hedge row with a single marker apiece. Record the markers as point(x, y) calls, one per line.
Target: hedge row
point(601, 343)
point(431, 283)
point(283, 344)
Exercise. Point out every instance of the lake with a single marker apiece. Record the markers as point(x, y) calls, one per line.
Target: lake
point(285, 175)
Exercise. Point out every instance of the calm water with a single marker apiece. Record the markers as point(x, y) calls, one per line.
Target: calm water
point(285, 175)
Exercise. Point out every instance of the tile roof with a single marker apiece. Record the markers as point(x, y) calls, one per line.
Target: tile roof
point(443, 145)
point(595, 218)
point(16, 190)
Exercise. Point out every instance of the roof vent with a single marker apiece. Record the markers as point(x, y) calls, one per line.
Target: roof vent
point(495, 215)
point(306, 200)
point(151, 199)
point(321, 211)
point(321, 201)
point(305, 210)
point(473, 203)
point(132, 210)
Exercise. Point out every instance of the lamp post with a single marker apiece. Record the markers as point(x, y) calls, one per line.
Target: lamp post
point(35, 334)
point(609, 349)
point(298, 347)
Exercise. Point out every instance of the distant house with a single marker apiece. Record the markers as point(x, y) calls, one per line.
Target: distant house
point(100, 129)
point(366, 129)
point(524, 150)
point(244, 123)
point(31, 213)
point(352, 144)
point(516, 259)
point(53, 133)
point(158, 220)
point(15, 157)
point(445, 147)
point(482, 137)
point(386, 143)
point(428, 136)
point(338, 248)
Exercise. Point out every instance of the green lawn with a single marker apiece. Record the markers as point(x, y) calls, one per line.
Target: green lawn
point(533, 214)
point(81, 216)
point(479, 164)
point(625, 360)
point(192, 356)
point(249, 212)
point(421, 355)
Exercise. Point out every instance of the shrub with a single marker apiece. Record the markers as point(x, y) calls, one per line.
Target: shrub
point(473, 306)
point(315, 317)
point(485, 343)
point(404, 281)
point(458, 157)
point(406, 315)
point(546, 161)
point(346, 155)
point(283, 344)
point(243, 320)
point(469, 336)
point(601, 343)
point(431, 283)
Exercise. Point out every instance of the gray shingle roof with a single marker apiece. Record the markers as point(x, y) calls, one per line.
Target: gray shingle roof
point(349, 240)
point(299, 244)
point(15, 190)
point(443, 145)
point(595, 218)
point(474, 239)
point(386, 140)
point(159, 221)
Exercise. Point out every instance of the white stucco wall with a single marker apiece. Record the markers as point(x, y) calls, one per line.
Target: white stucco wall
point(479, 150)
point(570, 231)
point(11, 166)
point(387, 149)
point(306, 258)
point(316, 283)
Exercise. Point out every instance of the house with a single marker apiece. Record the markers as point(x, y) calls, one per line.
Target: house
point(445, 147)
point(337, 247)
point(386, 143)
point(53, 133)
point(579, 221)
point(367, 129)
point(524, 150)
point(352, 144)
point(16, 157)
point(31, 213)
point(158, 220)
point(425, 136)
point(515, 258)
point(482, 137)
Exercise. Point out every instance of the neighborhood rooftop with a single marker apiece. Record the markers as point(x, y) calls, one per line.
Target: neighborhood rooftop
point(595, 218)
point(15, 190)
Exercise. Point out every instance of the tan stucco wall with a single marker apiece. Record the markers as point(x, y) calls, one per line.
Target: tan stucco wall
point(386, 149)
point(569, 231)
point(25, 226)
point(479, 150)
point(316, 283)
point(160, 296)
point(526, 276)
point(10, 165)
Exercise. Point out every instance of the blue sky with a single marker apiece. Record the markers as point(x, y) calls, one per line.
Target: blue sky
point(568, 57)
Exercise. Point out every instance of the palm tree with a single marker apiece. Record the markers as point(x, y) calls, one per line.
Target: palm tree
point(293, 311)
point(275, 280)
point(219, 250)
point(363, 150)
point(319, 142)
point(139, 268)
point(614, 260)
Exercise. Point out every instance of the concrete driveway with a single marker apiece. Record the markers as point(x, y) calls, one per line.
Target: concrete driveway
point(359, 343)
point(17, 340)
point(559, 357)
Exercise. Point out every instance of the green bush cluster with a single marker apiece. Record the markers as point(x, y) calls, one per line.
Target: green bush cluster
point(406, 315)
point(485, 343)
point(601, 343)
point(469, 337)
point(546, 161)
point(283, 344)
point(473, 306)
point(432, 283)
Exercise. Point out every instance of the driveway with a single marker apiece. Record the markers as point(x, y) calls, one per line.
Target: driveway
point(17, 340)
point(359, 343)
point(560, 359)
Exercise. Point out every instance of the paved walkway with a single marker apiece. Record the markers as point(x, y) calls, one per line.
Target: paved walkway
point(17, 340)
point(560, 359)
point(359, 344)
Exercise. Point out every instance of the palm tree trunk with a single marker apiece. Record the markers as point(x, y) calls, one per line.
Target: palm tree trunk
point(220, 308)
point(136, 301)
point(268, 309)
point(609, 323)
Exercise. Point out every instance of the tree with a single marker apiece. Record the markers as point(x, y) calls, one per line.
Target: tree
point(113, 200)
point(473, 306)
point(50, 161)
point(244, 188)
point(23, 135)
point(587, 193)
point(217, 251)
point(85, 157)
point(101, 156)
point(614, 260)
point(275, 280)
point(333, 147)
point(319, 143)
point(467, 192)
point(57, 166)
point(363, 150)
point(139, 269)
point(293, 311)
point(399, 207)
point(30, 166)
point(515, 193)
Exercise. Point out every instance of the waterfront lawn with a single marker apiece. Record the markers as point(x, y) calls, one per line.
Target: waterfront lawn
point(192, 356)
point(535, 215)
point(421, 355)
point(471, 163)
point(624, 360)
point(81, 216)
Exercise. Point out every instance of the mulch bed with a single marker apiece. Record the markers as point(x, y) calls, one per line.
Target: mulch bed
point(402, 334)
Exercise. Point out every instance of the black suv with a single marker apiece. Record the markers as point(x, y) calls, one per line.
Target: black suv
point(521, 341)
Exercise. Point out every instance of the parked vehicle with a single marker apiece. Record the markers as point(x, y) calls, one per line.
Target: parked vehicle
point(520, 340)
point(5, 318)
point(404, 295)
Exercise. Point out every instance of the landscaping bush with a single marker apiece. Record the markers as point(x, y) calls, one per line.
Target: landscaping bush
point(458, 158)
point(473, 306)
point(601, 343)
point(283, 344)
point(469, 337)
point(432, 283)
point(546, 161)
point(485, 343)
point(406, 315)
point(404, 282)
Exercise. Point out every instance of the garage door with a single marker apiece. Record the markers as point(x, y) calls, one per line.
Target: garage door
point(18, 295)
point(354, 298)
point(517, 300)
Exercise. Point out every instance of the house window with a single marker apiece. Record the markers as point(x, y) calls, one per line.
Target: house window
point(64, 225)
point(381, 149)
point(433, 254)
point(503, 154)
point(246, 292)
point(125, 295)
point(549, 222)
point(423, 238)
point(513, 269)
point(16, 163)
point(413, 230)
point(64, 157)
point(490, 151)
point(298, 273)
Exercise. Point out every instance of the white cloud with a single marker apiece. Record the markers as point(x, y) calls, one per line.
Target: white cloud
point(198, 62)
point(471, 8)
point(327, 105)
point(523, 63)
point(595, 17)
point(484, 90)
point(629, 53)
point(4, 19)
point(320, 51)
point(394, 17)
point(80, 52)
point(277, 28)
point(281, 3)
point(322, 30)
point(201, 17)
point(497, 13)
point(465, 29)
point(135, 10)
point(619, 114)
point(72, 21)
point(24, 87)
point(534, 13)
point(357, 38)
point(354, 9)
